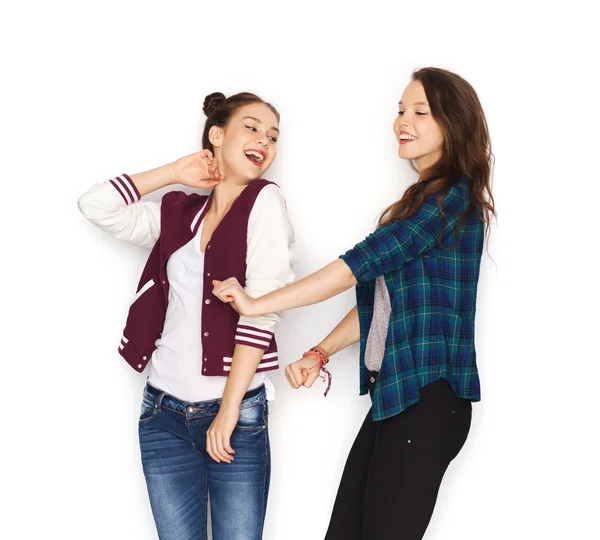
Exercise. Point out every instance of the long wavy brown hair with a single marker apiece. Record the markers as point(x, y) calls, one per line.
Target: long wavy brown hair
point(466, 150)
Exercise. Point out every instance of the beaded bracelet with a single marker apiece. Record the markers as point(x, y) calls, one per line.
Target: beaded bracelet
point(318, 349)
point(321, 355)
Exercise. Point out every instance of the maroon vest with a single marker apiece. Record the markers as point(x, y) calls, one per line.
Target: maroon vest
point(225, 257)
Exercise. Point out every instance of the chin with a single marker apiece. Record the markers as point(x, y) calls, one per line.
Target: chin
point(248, 173)
point(255, 174)
point(402, 153)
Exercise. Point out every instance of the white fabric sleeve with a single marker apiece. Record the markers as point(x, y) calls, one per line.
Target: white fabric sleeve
point(115, 207)
point(269, 263)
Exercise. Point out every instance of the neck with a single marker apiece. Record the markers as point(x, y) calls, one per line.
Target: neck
point(424, 162)
point(228, 190)
point(224, 194)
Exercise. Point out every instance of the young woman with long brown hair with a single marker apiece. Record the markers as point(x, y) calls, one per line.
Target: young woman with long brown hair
point(416, 285)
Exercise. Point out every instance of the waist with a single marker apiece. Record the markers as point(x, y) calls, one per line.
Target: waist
point(163, 399)
point(439, 391)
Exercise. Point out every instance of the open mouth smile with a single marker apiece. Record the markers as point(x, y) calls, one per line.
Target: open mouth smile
point(406, 138)
point(255, 157)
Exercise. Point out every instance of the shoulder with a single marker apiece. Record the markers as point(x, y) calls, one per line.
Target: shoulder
point(271, 195)
point(269, 212)
point(460, 189)
point(178, 205)
point(176, 198)
point(454, 197)
point(270, 199)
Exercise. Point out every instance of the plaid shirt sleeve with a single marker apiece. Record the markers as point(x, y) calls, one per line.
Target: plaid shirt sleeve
point(393, 245)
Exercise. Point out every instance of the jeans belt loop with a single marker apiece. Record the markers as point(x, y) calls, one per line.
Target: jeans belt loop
point(159, 401)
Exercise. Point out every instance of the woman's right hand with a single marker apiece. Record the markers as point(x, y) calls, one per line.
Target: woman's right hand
point(303, 372)
point(198, 170)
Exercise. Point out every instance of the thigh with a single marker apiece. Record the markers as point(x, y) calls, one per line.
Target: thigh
point(175, 476)
point(239, 490)
point(347, 516)
point(411, 455)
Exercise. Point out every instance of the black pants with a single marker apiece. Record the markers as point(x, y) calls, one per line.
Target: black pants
point(395, 467)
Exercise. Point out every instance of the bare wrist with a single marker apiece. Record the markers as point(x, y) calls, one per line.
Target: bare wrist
point(230, 404)
point(172, 176)
point(259, 308)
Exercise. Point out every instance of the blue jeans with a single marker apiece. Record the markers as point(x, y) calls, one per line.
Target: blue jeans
point(180, 474)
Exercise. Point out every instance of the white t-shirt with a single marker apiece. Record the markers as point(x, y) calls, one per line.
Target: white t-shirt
point(176, 366)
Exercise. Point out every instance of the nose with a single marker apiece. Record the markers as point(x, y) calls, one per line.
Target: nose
point(401, 122)
point(263, 140)
point(404, 121)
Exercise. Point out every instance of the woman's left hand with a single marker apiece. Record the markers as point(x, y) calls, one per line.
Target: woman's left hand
point(218, 436)
point(231, 292)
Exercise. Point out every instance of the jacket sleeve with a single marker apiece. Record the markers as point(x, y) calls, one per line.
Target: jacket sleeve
point(393, 245)
point(269, 263)
point(115, 207)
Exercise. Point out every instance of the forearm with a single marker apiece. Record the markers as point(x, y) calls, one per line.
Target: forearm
point(243, 367)
point(149, 181)
point(344, 334)
point(331, 280)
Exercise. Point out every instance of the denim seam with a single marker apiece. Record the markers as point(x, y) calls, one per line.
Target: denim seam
point(264, 485)
point(174, 410)
point(185, 413)
point(198, 451)
point(260, 402)
point(151, 417)
point(205, 509)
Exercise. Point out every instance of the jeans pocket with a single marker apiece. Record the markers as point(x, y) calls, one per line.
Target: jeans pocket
point(253, 418)
point(148, 410)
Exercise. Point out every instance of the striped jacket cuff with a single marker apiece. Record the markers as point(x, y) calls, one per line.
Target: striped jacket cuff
point(269, 361)
point(253, 337)
point(126, 188)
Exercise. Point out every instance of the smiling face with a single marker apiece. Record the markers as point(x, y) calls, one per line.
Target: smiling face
point(247, 146)
point(418, 134)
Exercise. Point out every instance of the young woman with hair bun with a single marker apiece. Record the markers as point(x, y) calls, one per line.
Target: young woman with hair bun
point(203, 427)
point(416, 285)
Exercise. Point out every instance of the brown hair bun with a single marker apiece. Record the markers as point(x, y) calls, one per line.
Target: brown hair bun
point(212, 102)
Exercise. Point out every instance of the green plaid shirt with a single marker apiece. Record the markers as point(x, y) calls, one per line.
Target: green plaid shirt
point(433, 288)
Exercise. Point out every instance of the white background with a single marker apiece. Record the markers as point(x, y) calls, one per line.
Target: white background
point(93, 89)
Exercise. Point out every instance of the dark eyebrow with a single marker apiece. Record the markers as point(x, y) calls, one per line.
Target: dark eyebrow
point(417, 103)
point(259, 122)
